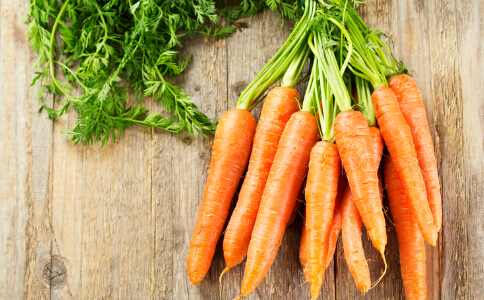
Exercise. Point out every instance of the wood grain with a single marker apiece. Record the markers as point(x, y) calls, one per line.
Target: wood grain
point(470, 47)
point(111, 223)
point(25, 166)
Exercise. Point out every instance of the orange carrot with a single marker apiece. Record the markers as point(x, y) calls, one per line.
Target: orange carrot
point(278, 107)
point(333, 231)
point(353, 247)
point(413, 110)
point(398, 138)
point(285, 178)
point(410, 240)
point(354, 143)
point(321, 191)
point(337, 222)
point(230, 154)
point(303, 247)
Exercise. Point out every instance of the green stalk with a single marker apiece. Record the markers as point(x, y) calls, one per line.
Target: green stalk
point(364, 100)
point(311, 90)
point(318, 42)
point(291, 77)
point(52, 40)
point(319, 101)
point(290, 56)
point(369, 60)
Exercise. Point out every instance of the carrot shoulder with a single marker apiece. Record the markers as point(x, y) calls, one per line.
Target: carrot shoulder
point(410, 240)
point(353, 139)
point(398, 138)
point(230, 154)
point(321, 191)
point(278, 107)
point(285, 178)
point(413, 110)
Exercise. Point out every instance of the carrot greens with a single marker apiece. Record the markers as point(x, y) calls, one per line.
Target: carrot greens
point(105, 43)
point(287, 64)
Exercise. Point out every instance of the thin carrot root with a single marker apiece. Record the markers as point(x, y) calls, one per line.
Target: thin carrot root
point(223, 272)
point(238, 298)
point(384, 271)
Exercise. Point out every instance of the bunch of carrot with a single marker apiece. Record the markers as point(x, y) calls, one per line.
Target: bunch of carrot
point(344, 188)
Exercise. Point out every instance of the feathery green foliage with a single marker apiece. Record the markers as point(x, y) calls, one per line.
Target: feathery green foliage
point(105, 43)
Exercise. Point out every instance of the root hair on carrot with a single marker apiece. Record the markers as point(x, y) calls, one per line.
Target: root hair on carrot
point(384, 272)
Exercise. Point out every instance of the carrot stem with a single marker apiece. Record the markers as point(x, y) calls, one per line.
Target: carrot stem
point(293, 49)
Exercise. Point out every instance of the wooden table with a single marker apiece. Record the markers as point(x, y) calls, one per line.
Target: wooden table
point(115, 223)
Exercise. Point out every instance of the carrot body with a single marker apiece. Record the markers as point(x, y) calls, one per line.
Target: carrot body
point(321, 191)
point(278, 107)
point(285, 178)
point(303, 248)
point(410, 240)
point(337, 222)
point(398, 138)
point(353, 139)
point(353, 247)
point(413, 110)
point(333, 231)
point(230, 154)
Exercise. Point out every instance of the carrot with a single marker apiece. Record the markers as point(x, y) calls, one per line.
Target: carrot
point(278, 107)
point(285, 178)
point(354, 143)
point(321, 191)
point(230, 154)
point(398, 138)
point(333, 231)
point(337, 222)
point(353, 247)
point(410, 240)
point(303, 248)
point(413, 110)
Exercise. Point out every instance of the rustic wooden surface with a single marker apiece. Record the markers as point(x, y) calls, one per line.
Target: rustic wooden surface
point(115, 223)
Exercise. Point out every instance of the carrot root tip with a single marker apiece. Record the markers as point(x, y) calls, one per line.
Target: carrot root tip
point(223, 272)
point(384, 271)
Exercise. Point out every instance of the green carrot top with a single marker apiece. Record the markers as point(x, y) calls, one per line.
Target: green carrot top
point(371, 57)
point(287, 64)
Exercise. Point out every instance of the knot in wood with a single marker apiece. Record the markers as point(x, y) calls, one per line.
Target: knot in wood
point(54, 272)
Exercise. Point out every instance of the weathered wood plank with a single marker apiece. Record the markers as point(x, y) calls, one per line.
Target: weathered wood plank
point(180, 166)
point(25, 166)
point(67, 210)
point(471, 62)
point(117, 235)
point(444, 37)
